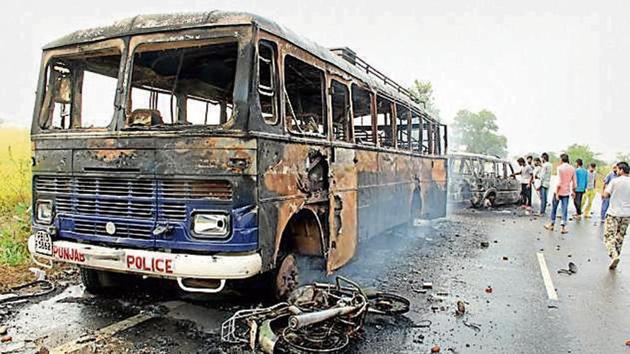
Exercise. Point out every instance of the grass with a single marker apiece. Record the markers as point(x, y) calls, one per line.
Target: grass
point(15, 196)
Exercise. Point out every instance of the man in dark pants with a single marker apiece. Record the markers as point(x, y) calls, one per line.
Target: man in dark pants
point(581, 181)
point(527, 177)
point(545, 179)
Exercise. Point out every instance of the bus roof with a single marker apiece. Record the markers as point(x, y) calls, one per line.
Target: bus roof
point(168, 22)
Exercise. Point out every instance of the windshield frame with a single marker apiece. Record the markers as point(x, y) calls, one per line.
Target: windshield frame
point(242, 35)
point(48, 55)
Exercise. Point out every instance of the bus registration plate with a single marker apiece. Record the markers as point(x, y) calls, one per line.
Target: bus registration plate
point(43, 243)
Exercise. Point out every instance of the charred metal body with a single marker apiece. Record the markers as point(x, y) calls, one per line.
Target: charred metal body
point(274, 146)
point(477, 178)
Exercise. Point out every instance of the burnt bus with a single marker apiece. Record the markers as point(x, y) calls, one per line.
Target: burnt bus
point(214, 146)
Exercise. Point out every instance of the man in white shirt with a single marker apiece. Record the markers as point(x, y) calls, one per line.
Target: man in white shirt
point(545, 178)
point(618, 216)
point(527, 178)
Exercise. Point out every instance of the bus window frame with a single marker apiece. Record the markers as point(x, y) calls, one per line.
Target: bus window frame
point(275, 77)
point(242, 35)
point(392, 123)
point(78, 50)
point(330, 78)
point(297, 53)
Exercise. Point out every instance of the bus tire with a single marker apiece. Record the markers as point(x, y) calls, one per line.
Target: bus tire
point(296, 270)
point(96, 282)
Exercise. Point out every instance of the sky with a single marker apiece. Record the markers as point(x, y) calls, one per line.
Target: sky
point(554, 73)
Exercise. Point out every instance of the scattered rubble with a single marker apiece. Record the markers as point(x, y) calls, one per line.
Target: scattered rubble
point(28, 290)
point(461, 308)
point(572, 269)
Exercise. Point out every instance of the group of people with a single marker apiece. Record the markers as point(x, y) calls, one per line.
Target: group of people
point(580, 184)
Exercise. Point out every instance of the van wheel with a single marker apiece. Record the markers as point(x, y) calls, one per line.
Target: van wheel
point(296, 270)
point(97, 281)
point(492, 199)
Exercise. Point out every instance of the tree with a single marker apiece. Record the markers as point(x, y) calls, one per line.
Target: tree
point(478, 133)
point(422, 94)
point(584, 152)
point(623, 157)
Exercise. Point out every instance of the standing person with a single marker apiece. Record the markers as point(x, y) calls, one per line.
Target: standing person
point(581, 178)
point(566, 181)
point(589, 195)
point(618, 216)
point(529, 159)
point(527, 177)
point(545, 178)
point(537, 169)
point(606, 201)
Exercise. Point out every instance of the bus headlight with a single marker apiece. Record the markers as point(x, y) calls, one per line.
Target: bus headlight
point(211, 225)
point(44, 211)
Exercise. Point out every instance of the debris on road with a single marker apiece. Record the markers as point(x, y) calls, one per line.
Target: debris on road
point(474, 326)
point(318, 317)
point(571, 270)
point(86, 338)
point(28, 290)
point(461, 308)
point(422, 324)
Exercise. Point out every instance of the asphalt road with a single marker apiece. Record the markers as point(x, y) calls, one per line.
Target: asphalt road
point(590, 314)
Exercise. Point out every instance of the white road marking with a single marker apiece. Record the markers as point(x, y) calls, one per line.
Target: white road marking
point(551, 290)
point(106, 332)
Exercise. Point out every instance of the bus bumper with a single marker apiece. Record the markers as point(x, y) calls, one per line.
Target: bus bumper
point(150, 263)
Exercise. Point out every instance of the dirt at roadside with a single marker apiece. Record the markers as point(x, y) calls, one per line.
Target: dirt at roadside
point(12, 276)
point(18, 275)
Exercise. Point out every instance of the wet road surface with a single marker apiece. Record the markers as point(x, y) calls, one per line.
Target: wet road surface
point(462, 256)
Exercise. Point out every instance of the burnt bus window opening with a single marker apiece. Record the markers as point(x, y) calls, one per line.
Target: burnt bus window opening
point(384, 122)
point(267, 81)
point(182, 86)
point(340, 111)
point(403, 116)
point(305, 107)
point(80, 90)
point(362, 116)
point(416, 132)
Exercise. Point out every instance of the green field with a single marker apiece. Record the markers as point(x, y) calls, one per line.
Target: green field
point(15, 195)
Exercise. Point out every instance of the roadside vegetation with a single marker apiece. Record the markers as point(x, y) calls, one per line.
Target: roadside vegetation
point(15, 196)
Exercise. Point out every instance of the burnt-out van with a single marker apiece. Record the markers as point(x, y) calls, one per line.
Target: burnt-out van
point(482, 180)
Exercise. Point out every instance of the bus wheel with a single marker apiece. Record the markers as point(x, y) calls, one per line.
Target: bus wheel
point(296, 270)
point(97, 281)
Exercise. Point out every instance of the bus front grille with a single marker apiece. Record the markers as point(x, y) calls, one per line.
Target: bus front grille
point(139, 199)
point(97, 228)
